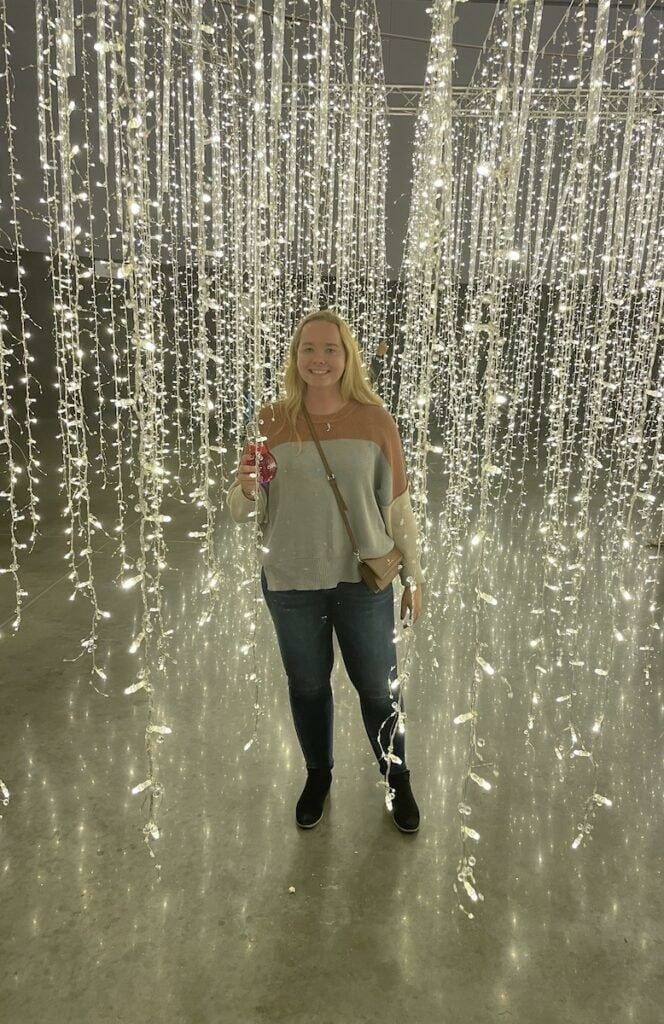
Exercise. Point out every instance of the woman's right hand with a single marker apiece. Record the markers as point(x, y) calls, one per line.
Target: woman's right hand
point(246, 477)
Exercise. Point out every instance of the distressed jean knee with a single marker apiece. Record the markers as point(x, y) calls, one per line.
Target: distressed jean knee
point(308, 689)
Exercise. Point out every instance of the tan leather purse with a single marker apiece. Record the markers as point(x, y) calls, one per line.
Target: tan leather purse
point(377, 573)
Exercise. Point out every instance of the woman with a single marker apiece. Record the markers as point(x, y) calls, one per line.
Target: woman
point(310, 577)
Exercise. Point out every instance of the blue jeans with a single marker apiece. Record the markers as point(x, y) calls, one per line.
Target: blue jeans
point(364, 624)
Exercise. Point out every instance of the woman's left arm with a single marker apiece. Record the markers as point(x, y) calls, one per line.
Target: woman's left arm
point(401, 526)
point(398, 516)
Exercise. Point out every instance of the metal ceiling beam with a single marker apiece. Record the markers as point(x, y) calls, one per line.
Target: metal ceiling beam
point(477, 101)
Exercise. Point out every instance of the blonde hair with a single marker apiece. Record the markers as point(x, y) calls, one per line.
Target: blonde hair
point(354, 383)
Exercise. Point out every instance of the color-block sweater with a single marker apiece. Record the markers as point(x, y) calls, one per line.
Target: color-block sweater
point(300, 522)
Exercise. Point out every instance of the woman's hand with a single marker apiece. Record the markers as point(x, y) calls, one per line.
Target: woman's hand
point(411, 600)
point(246, 477)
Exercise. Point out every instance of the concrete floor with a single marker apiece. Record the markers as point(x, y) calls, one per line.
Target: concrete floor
point(89, 934)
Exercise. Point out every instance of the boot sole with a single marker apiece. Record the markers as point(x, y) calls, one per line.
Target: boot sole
point(410, 831)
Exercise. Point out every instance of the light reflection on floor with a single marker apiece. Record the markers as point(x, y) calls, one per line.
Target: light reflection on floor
point(370, 930)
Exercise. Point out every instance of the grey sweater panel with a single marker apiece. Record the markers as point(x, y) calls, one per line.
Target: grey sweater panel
point(301, 525)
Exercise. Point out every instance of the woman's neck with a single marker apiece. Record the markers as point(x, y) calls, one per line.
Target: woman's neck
point(324, 405)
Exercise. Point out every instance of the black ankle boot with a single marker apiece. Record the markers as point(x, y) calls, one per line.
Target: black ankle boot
point(309, 808)
point(405, 811)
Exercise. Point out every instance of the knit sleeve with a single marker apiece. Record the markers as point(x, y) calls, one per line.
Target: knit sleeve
point(395, 506)
point(243, 509)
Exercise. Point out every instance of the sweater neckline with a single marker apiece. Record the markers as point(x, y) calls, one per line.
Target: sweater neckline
point(338, 415)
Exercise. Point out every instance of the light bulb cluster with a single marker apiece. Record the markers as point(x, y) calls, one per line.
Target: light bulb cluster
point(206, 183)
point(531, 320)
point(198, 200)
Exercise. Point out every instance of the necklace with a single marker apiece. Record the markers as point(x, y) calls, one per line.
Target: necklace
point(328, 425)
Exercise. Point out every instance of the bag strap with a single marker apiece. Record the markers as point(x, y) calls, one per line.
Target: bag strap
point(332, 481)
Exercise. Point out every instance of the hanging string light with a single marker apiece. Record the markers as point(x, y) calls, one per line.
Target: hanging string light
point(185, 240)
point(207, 180)
point(20, 469)
point(555, 208)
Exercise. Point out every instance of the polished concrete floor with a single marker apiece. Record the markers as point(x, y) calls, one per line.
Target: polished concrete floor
point(254, 920)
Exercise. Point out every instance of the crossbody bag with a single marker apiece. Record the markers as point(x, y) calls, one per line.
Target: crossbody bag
point(377, 573)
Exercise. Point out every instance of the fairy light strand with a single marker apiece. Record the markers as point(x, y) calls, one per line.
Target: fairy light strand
point(231, 183)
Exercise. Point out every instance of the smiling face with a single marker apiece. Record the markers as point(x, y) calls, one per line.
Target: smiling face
point(321, 349)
